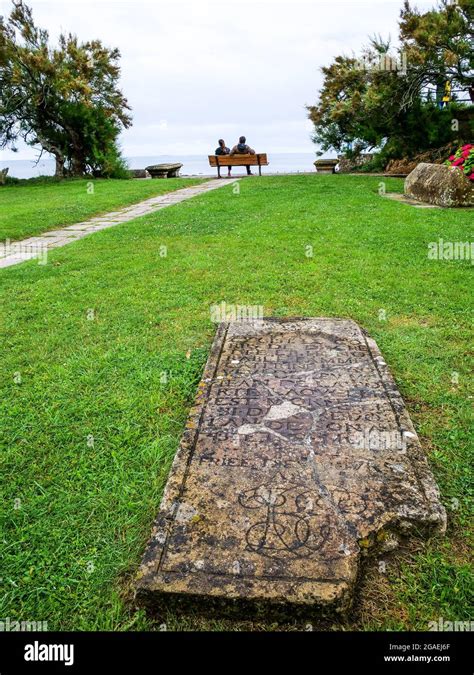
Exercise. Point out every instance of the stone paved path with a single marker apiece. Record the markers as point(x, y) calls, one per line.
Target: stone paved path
point(13, 253)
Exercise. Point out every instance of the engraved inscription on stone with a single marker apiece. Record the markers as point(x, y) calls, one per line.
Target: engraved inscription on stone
point(298, 458)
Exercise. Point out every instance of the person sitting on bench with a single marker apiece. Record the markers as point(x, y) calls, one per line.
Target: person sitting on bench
point(223, 150)
point(243, 149)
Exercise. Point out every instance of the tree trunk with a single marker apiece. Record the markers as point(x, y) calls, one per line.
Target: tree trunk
point(59, 173)
point(58, 155)
point(78, 161)
point(78, 165)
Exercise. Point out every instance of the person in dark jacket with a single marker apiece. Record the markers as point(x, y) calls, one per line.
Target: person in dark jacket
point(243, 149)
point(223, 150)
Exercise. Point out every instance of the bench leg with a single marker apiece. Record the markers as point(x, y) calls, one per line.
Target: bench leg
point(259, 170)
point(218, 171)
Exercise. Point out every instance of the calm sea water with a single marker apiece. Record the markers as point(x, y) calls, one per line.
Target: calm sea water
point(192, 164)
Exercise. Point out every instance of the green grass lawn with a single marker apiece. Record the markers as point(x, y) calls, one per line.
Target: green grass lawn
point(89, 424)
point(27, 210)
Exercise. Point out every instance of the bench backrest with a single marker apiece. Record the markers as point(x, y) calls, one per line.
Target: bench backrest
point(260, 159)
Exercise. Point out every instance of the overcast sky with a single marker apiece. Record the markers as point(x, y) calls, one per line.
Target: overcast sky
point(197, 71)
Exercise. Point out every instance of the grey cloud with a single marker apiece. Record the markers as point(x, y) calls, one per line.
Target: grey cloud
point(195, 71)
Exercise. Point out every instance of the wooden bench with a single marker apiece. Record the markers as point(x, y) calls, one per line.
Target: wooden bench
point(259, 159)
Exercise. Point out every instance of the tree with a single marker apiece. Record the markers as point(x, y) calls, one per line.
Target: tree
point(376, 100)
point(338, 115)
point(64, 99)
point(438, 47)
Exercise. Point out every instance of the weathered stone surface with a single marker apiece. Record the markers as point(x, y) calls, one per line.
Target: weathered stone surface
point(298, 458)
point(325, 165)
point(439, 184)
point(164, 170)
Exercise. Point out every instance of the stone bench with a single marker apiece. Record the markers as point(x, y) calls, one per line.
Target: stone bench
point(258, 159)
point(326, 165)
point(164, 170)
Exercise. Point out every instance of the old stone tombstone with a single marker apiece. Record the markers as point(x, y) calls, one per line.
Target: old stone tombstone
point(298, 459)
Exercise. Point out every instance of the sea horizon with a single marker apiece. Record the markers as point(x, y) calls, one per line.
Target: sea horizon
point(194, 165)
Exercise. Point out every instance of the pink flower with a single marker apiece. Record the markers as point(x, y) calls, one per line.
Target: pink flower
point(451, 158)
point(459, 161)
point(467, 147)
